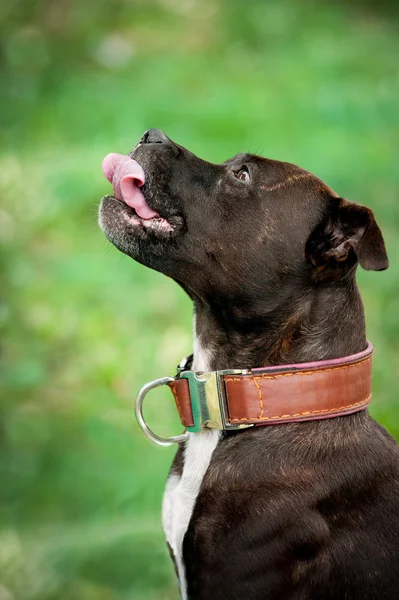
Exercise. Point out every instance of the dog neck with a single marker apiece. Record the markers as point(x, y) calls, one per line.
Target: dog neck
point(326, 323)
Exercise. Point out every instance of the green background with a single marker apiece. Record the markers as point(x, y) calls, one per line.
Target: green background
point(83, 327)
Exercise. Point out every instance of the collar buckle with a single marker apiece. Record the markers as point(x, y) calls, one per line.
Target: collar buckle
point(208, 400)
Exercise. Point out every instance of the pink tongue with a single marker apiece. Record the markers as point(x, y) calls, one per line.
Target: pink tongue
point(127, 176)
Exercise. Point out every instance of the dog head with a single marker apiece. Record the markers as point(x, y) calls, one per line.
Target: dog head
point(244, 231)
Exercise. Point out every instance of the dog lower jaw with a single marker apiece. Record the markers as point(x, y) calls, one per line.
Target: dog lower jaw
point(125, 229)
point(156, 223)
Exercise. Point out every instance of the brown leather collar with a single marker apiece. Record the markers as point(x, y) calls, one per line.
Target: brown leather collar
point(273, 395)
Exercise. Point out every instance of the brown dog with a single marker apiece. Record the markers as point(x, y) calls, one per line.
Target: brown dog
point(268, 253)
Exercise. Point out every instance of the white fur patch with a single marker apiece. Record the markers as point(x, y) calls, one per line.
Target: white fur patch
point(181, 492)
point(202, 356)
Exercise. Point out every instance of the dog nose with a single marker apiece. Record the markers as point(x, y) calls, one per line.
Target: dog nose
point(153, 136)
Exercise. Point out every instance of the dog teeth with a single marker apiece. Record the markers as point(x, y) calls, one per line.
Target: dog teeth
point(157, 223)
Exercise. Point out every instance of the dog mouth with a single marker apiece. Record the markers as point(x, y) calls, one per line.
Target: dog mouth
point(128, 181)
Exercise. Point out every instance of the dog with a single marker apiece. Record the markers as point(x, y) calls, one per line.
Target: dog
point(268, 254)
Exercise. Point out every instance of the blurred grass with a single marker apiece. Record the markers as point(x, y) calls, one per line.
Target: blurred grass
point(83, 327)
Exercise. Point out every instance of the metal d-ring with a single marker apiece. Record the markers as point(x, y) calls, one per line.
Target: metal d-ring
point(161, 441)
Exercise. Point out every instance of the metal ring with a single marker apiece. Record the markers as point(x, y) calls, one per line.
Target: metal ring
point(161, 441)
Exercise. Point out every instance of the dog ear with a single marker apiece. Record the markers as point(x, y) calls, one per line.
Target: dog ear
point(350, 234)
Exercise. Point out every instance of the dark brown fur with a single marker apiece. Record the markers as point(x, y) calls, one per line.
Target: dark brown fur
point(304, 511)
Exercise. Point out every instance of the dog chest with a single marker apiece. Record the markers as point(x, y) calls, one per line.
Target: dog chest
point(181, 493)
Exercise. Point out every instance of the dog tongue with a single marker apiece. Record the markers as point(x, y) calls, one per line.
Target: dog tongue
point(127, 176)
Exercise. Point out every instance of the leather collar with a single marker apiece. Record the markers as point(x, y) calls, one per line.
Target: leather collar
point(237, 399)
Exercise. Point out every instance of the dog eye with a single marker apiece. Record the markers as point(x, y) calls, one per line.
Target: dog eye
point(242, 174)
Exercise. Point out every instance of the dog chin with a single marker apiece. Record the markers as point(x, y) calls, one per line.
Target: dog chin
point(127, 231)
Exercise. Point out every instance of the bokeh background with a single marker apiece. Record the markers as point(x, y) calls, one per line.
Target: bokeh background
point(314, 83)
